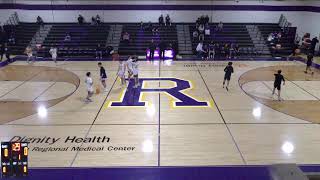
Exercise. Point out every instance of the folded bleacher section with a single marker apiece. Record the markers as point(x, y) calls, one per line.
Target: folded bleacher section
point(287, 40)
point(22, 34)
point(231, 33)
point(84, 39)
point(141, 36)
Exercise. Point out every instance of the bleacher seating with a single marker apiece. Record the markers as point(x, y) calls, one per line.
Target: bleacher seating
point(23, 34)
point(232, 33)
point(141, 38)
point(84, 38)
point(287, 39)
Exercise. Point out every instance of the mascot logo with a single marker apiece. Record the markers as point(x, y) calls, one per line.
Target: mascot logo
point(132, 97)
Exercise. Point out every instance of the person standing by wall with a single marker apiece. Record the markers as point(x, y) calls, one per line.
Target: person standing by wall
point(161, 20)
point(152, 48)
point(168, 20)
point(80, 19)
point(162, 47)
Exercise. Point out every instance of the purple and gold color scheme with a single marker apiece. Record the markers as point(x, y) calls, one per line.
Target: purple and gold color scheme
point(132, 96)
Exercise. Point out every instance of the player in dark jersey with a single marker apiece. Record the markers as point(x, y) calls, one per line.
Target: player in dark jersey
point(103, 76)
point(277, 83)
point(227, 76)
point(309, 63)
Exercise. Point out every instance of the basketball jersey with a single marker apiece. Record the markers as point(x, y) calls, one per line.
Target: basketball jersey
point(89, 84)
point(103, 73)
point(130, 64)
point(228, 70)
point(135, 68)
point(278, 79)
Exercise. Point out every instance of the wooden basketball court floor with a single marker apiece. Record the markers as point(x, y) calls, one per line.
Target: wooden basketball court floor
point(43, 104)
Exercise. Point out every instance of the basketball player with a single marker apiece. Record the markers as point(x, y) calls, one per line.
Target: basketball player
point(277, 83)
point(309, 63)
point(122, 71)
point(89, 84)
point(103, 76)
point(28, 51)
point(227, 76)
point(54, 53)
point(129, 66)
point(135, 71)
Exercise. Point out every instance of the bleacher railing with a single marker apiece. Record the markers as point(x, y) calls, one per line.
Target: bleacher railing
point(13, 19)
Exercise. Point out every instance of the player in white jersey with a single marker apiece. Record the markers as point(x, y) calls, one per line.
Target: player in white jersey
point(89, 84)
point(122, 72)
point(135, 71)
point(130, 68)
point(54, 53)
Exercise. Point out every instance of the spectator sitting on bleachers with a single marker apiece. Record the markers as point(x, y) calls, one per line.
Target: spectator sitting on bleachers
point(207, 30)
point(161, 20)
point(201, 28)
point(201, 36)
point(67, 37)
point(40, 21)
point(220, 26)
point(80, 19)
point(279, 35)
point(199, 50)
point(270, 37)
point(141, 25)
point(201, 32)
point(99, 52)
point(168, 20)
point(109, 50)
point(275, 50)
point(126, 37)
